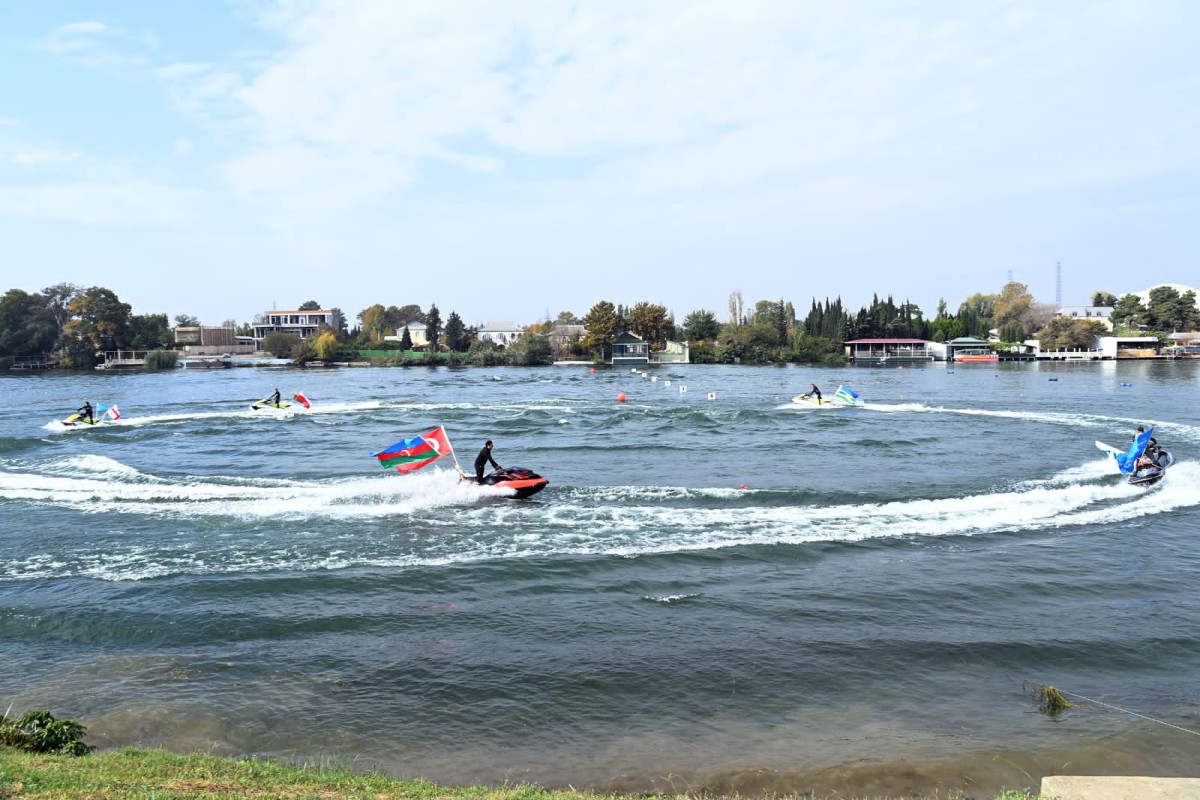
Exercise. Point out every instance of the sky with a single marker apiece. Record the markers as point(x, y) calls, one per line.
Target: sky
point(510, 161)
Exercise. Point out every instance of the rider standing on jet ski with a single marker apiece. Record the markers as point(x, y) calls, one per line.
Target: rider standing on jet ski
point(815, 392)
point(274, 400)
point(481, 460)
point(85, 411)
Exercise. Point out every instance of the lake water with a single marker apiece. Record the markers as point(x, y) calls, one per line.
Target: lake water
point(863, 617)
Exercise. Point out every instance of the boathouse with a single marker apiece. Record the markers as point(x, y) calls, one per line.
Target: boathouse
point(976, 349)
point(630, 349)
point(889, 351)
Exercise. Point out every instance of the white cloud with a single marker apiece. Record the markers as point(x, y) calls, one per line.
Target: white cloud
point(94, 44)
point(42, 158)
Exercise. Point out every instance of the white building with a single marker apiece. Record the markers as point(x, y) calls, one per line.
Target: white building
point(502, 333)
point(302, 323)
point(1100, 314)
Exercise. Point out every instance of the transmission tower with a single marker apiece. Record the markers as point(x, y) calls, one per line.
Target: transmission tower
point(1058, 284)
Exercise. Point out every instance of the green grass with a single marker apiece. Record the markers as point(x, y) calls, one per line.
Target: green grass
point(158, 775)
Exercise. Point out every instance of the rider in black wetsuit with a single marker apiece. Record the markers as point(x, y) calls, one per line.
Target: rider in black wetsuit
point(274, 399)
point(481, 460)
point(815, 392)
point(85, 411)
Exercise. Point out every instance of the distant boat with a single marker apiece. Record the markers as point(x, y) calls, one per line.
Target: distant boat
point(979, 354)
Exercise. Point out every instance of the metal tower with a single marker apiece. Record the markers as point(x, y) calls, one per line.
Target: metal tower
point(1058, 284)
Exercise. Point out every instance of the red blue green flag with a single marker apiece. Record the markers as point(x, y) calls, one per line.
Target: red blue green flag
point(408, 455)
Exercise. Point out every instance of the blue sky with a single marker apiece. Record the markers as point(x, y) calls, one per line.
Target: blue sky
point(509, 160)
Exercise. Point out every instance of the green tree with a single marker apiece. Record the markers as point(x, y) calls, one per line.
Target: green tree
point(338, 322)
point(1168, 310)
point(149, 332)
point(530, 349)
point(1104, 300)
point(433, 327)
point(701, 325)
point(603, 324)
point(651, 323)
point(27, 324)
point(58, 301)
point(406, 340)
point(1128, 311)
point(309, 305)
point(186, 321)
point(1012, 331)
point(1066, 333)
point(280, 344)
point(568, 318)
point(456, 333)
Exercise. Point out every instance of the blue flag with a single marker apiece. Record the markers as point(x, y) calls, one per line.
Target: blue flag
point(1128, 461)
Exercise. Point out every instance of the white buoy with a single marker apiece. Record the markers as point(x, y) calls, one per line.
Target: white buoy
point(712, 395)
point(667, 384)
point(633, 369)
point(682, 389)
point(654, 379)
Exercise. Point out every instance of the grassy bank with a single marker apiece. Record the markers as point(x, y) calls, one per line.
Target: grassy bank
point(165, 776)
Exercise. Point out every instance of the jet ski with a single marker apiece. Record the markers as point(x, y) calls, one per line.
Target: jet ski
point(76, 420)
point(806, 398)
point(298, 397)
point(1145, 463)
point(525, 482)
point(1151, 467)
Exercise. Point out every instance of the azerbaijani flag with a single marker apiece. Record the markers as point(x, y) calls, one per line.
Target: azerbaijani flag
point(408, 455)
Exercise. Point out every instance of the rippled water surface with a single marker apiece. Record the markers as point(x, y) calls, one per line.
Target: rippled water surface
point(719, 590)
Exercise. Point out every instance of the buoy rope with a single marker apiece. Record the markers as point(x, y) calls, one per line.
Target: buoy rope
point(1133, 713)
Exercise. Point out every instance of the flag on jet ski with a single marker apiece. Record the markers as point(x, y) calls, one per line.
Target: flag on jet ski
point(301, 399)
point(408, 455)
point(110, 411)
point(846, 396)
point(1128, 461)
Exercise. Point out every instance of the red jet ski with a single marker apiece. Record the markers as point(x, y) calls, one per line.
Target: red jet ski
point(525, 482)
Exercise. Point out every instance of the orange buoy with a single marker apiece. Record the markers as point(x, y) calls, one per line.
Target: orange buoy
point(621, 397)
point(593, 370)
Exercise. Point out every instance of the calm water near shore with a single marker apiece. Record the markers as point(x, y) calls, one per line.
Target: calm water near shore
point(861, 617)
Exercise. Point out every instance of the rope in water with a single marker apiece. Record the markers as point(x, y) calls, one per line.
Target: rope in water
point(1127, 711)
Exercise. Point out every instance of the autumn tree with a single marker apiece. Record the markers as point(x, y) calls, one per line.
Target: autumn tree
point(326, 345)
point(100, 321)
point(372, 323)
point(1012, 305)
point(651, 323)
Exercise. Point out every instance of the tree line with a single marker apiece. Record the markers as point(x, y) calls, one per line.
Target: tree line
point(77, 325)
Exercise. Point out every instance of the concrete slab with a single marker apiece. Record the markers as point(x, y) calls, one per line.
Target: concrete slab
point(1118, 787)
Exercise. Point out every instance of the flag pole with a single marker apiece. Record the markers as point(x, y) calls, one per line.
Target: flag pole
point(453, 455)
